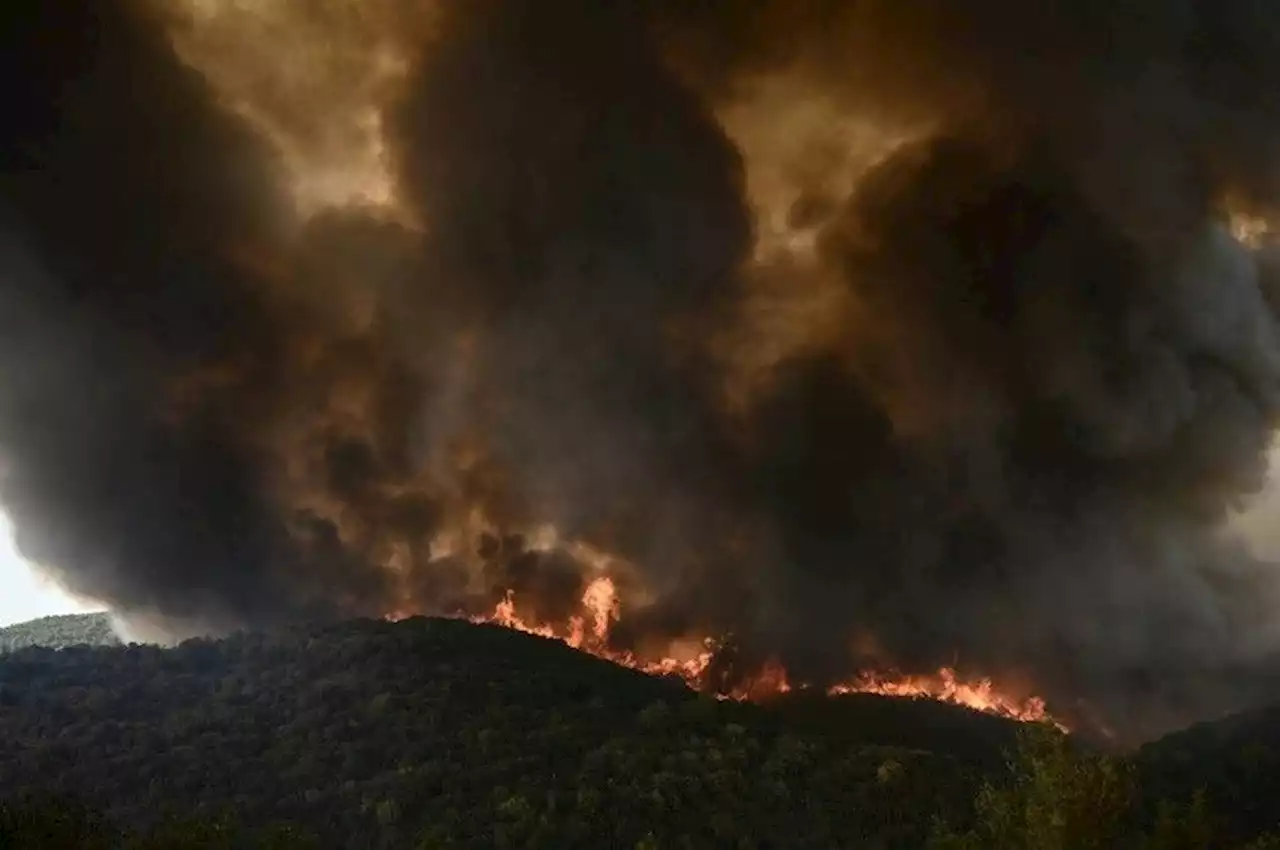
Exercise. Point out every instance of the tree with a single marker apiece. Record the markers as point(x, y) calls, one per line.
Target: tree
point(1058, 799)
point(1061, 797)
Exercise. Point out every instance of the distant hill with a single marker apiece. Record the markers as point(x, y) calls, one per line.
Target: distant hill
point(60, 631)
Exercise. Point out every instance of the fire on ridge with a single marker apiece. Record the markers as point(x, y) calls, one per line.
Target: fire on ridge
point(692, 659)
point(590, 633)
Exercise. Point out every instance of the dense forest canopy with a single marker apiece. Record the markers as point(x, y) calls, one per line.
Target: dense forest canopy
point(443, 734)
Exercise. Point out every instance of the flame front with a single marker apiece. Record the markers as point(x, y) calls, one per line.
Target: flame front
point(589, 632)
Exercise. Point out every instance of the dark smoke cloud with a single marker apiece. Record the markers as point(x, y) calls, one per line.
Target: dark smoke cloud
point(127, 195)
point(584, 209)
point(1064, 371)
point(1057, 374)
point(1027, 451)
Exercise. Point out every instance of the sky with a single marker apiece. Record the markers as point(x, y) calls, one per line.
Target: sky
point(24, 593)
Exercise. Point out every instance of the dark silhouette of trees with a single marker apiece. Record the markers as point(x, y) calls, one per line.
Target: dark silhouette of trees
point(441, 734)
point(1059, 796)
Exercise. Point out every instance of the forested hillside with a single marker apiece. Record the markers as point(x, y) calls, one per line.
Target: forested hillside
point(442, 734)
point(60, 631)
point(376, 734)
point(1238, 762)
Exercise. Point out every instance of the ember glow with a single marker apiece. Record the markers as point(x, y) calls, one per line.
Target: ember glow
point(589, 632)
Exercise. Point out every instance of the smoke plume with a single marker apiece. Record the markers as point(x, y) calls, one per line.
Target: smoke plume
point(875, 334)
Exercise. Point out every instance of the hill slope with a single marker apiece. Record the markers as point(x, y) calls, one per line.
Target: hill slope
point(474, 734)
point(1236, 761)
point(440, 733)
point(60, 631)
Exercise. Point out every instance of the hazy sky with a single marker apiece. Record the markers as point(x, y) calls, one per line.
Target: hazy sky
point(24, 594)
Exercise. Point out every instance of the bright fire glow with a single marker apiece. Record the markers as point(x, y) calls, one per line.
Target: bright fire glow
point(1250, 230)
point(589, 633)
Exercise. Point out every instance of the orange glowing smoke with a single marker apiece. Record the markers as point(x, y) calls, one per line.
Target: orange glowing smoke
point(590, 633)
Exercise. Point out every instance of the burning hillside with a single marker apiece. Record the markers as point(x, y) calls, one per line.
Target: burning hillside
point(869, 336)
point(712, 665)
point(590, 633)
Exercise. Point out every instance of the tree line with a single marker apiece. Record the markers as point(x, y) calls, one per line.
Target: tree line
point(438, 734)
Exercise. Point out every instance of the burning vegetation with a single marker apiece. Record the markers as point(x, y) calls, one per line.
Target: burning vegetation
point(698, 662)
point(880, 349)
point(590, 633)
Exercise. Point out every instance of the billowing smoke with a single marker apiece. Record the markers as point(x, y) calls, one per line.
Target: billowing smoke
point(865, 334)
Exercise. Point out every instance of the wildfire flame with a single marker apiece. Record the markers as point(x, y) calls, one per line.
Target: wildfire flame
point(589, 632)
